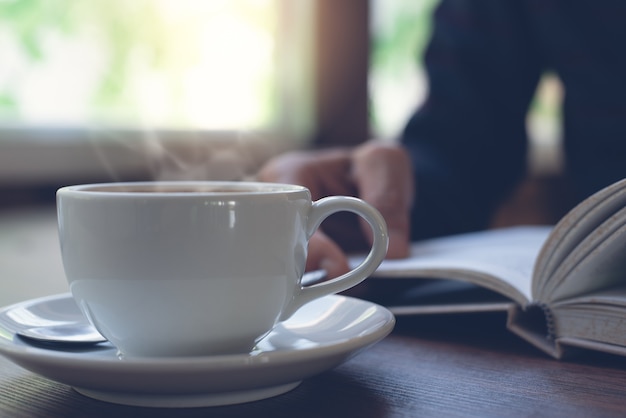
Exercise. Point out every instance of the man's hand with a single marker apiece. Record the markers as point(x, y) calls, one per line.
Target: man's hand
point(378, 173)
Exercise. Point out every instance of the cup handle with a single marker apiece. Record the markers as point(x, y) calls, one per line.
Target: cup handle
point(320, 210)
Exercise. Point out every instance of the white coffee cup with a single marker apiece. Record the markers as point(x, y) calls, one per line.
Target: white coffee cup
point(196, 268)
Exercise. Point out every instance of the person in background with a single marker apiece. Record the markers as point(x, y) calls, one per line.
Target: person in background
point(464, 151)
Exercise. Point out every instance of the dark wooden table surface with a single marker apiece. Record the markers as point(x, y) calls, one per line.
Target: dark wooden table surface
point(443, 366)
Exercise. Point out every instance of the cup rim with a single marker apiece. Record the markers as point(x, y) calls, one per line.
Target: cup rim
point(181, 188)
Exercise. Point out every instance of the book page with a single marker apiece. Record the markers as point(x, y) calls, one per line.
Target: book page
point(501, 260)
point(612, 299)
point(597, 317)
point(571, 231)
point(596, 263)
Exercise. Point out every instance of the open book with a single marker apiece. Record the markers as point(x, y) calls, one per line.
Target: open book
point(563, 286)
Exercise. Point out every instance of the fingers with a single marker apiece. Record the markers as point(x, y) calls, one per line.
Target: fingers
point(324, 173)
point(325, 254)
point(290, 168)
point(383, 176)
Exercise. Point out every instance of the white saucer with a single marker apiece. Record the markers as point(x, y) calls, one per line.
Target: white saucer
point(320, 336)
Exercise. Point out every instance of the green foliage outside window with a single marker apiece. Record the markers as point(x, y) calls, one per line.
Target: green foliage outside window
point(400, 31)
point(164, 63)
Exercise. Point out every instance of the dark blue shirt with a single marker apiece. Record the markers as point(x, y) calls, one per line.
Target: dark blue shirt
point(468, 141)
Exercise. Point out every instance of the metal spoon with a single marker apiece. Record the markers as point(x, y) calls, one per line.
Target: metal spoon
point(77, 334)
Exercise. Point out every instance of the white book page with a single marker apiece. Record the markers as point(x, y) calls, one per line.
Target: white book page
point(566, 244)
point(597, 263)
point(501, 260)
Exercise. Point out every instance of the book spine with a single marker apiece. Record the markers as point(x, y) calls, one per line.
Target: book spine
point(535, 324)
point(548, 320)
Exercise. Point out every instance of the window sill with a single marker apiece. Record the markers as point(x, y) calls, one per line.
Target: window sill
point(30, 157)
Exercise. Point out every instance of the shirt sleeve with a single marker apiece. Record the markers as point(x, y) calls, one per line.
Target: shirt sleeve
point(468, 141)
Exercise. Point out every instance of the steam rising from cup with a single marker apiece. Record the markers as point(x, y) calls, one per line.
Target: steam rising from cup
point(182, 155)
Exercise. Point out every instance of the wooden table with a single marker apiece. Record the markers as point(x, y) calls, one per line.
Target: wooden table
point(439, 366)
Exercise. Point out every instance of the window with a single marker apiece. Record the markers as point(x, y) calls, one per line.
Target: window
point(104, 88)
point(400, 30)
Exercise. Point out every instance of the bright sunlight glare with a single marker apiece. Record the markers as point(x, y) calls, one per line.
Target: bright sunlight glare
point(167, 64)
